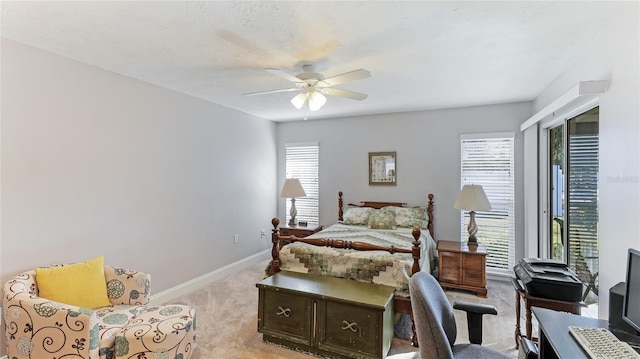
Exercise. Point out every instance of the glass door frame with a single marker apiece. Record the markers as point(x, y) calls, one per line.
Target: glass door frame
point(544, 217)
point(563, 228)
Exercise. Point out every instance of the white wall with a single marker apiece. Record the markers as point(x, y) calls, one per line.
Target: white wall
point(97, 163)
point(613, 57)
point(428, 158)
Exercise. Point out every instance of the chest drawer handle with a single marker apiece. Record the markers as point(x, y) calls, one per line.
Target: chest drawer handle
point(284, 311)
point(351, 326)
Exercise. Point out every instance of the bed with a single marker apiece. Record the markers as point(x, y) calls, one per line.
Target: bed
point(378, 242)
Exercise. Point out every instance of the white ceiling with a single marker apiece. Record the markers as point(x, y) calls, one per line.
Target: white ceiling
point(421, 54)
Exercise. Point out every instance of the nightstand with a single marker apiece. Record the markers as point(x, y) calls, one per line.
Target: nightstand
point(462, 267)
point(298, 230)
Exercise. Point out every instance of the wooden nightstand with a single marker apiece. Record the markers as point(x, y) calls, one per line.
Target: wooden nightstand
point(462, 267)
point(298, 230)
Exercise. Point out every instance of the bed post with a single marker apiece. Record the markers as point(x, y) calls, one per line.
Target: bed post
point(340, 213)
point(275, 250)
point(430, 215)
point(415, 250)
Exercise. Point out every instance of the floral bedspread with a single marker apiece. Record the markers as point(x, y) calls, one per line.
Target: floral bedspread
point(366, 266)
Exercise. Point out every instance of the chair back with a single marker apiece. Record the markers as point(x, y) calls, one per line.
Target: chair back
point(433, 317)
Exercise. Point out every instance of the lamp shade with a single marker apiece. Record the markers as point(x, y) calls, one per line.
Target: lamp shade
point(316, 100)
point(472, 198)
point(299, 100)
point(292, 189)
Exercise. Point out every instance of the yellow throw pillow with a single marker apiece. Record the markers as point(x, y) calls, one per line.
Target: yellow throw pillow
point(79, 284)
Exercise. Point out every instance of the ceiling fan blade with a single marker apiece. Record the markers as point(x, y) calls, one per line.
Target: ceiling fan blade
point(285, 75)
point(270, 91)
point(345, 77)
point(343, 93)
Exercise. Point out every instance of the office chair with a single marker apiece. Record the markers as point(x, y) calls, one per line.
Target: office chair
point(436, 325)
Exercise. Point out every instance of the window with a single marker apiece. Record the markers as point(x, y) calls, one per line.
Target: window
point(302, 163)
point(488, 160)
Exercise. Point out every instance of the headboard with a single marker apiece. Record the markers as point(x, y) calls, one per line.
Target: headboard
point(378, 205)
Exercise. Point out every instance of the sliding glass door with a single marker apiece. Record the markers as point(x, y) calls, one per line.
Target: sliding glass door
point(573, 169)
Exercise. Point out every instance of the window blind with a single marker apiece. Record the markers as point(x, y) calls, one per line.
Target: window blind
point(583, 202)
point(488, 160)
point(302, 163)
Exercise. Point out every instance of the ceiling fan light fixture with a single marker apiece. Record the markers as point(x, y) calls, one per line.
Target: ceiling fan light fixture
point(313, 86)
point(316, 101)
point(299, 100)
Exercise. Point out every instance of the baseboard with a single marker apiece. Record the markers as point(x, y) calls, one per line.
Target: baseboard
point(206, 279)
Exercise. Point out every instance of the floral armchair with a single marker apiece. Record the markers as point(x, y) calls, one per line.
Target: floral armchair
point(40, 328)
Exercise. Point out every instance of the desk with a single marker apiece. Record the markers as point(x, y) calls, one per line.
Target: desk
point(555, 341)
point(531, 301)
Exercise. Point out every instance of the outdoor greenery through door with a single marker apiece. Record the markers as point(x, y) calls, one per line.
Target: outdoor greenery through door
point(574, 198)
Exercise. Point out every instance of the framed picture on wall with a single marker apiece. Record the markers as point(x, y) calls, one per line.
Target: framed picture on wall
point(382, 168)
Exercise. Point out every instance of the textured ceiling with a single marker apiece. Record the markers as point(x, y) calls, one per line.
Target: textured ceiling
point(421, 54)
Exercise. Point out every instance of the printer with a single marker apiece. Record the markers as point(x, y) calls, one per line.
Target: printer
point(550, 279)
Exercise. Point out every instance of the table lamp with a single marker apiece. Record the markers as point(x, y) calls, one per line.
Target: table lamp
point(472, 198)
point(292, 189)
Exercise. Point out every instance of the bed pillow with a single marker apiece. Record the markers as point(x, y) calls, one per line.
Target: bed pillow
point(356, 216)
point(79, 284)
point(382, 219)
point(409, 217)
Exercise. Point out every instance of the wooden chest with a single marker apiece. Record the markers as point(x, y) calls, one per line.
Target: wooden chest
point(335, 317)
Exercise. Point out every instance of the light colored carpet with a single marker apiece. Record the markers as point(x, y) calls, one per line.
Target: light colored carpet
point(227, 319)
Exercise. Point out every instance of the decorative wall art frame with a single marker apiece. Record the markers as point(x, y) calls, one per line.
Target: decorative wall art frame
point(382, 168)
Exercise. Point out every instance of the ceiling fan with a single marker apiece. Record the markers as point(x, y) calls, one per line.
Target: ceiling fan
point(312, 85)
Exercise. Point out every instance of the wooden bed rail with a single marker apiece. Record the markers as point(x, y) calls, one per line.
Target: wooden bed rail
point(279, 241)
